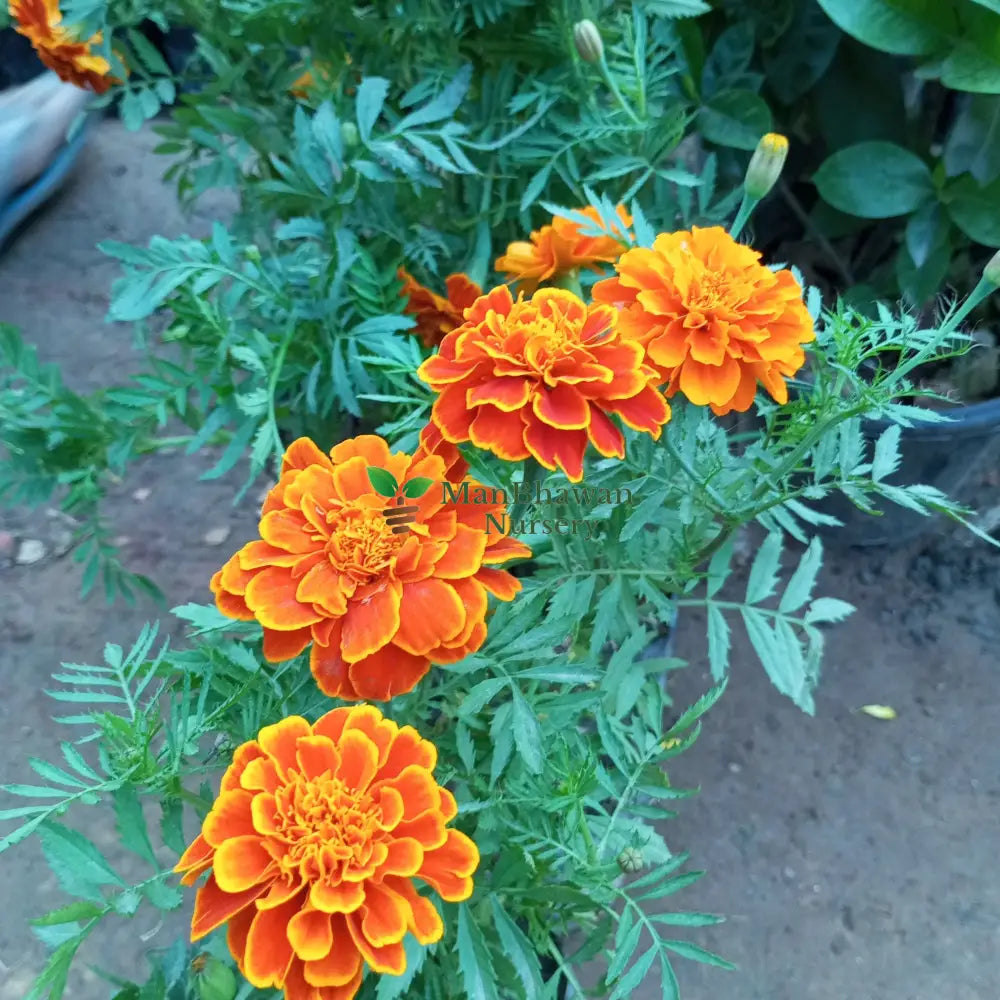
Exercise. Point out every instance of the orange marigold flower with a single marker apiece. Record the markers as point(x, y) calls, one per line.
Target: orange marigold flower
point(715, 321)
point(539, 378)
point(314, 842)
point(58, 47)
point(437, 315)
point(432, 443)
point(558, 249)
point(378, 604)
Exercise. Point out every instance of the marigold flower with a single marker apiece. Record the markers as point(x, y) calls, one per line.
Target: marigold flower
point(437, 315)
point(314, 842)
point(557, 249)
point(378, 605)
point(540, 378)
point(58, 47)
point(715, 321)
point(432, 443)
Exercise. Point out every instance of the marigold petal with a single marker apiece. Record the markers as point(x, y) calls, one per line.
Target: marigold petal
point(213, 907)
point(233, 606)
point(280, 740)
point(241, 862)
point(450, 413)
point(448, 869)
point(557, 448)
point(405, 857)
point(370, 721)
point(260, 775)
point(233, 577)
point(315, 756)
point(331, 671)
point(271, 595)
point(389, 959)
point(237, 932)
point(417, 786)
point(268, 951)
point(390, 672)
point(384, 916)
point(428, 829)
point(310, 934)
point(341, 964)
point(321, 586)
point(561, 406)
point(391, 803)
point(298, 984)
point(704, 384)
point(373, 449)
point(370, 623)
point(647, 411)
point(196, 859)
point(358, 759)
point(425, 922)
point(603, 434)
point(302, 453)
point(287, 530)
point(229, 817)
point(409, 748)
point(280, 892)
point(281, 646)
point(243, 755)
point(508, 394)
point(343, 897)
point(499, 432)
point(472, 594)
point(430, 613)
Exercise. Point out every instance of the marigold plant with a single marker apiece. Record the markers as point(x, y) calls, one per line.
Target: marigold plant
point(313, 843)
point(438, 315)
point(377, 605)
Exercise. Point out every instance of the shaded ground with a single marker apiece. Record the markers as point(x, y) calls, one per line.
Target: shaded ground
point(855, 858)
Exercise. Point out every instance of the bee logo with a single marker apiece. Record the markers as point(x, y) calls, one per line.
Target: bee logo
point(397, 515)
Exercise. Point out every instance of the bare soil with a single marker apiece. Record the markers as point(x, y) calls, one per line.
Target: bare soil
point(853, 857)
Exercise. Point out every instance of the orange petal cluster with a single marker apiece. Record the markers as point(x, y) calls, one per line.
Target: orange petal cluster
point(314, 842)
point(378, 605)
point(559, 248)
point(71, 59)
point(432, 443)
point(437, 315)
point(540, 378)
point(714, 320)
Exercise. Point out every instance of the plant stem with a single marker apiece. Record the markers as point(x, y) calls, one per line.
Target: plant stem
point(613, 87)
point(811, 228)
point(743, 215)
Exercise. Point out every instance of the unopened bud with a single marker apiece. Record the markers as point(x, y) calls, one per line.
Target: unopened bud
point(765, 164)
point(216, 981)
point(587, 40)
point(630, 861)
point(992, 270)
point(349, 134)
point(252, 252)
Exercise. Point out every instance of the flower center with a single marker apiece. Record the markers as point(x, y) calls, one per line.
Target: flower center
point(324, 826)
point(713, 288)
point(361, 544)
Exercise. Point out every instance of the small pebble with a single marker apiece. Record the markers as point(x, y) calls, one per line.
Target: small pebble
point(735, 768)
point(789, 873)
point(216, 536)
point(141, 494)
point(31, 550)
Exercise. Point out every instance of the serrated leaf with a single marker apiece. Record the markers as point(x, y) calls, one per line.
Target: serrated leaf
point(887, 456)
point(518, 950)
point(625, 946)
point(371, 96)
point(687, 950)
point(764, 571)
point(481, 694)
point(131, 824)
point(527, 733)
point(828, 609)
point(474, 965)
point(77, 864)
point(718, 642)
point(162, 895)
point(634, 976)
point(718, 567)
point(801, 584)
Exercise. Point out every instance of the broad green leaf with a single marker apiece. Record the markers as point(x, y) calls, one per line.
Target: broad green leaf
point(736, 118)
point(626, 941)
point(890, 27)
point(802, 54)
point(973, 143)
point(874, 180)
point(975, 209)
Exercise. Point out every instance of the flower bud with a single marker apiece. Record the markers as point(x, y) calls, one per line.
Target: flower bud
point(992, 270)
point(587, 40)
point(630, 861)
point(349, 134)
point(765, 165)
point(216, 981)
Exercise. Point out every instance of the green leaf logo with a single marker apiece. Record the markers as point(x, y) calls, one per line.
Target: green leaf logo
point(417, 487)
point(384, 482)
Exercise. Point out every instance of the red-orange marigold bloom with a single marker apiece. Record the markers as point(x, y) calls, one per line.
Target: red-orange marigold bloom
point(70, 58)
point(437, 315)
point(378, 605)
point(539, 378)
point(314, 841)
point(715, 321)
point(559, 248)
point(432, 443)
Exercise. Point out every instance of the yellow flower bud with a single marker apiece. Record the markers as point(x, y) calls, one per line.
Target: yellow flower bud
point(765, 165)
point(992, 270)
point(587, 40)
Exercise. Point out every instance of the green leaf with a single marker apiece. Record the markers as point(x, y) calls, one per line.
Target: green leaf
point(887, 456)
point(416, 488)
point(162, 895)
point(527, 734)
point(626, 942)
point(718, 642)
point(925, 229)
point(802, 55)
point(764, 572)
point(474, 965)
point(383, 482)
point(72, 913)
point(829, 609)
point(131, 824)
point(635, 975)
point(76, 862)
point(736, 118)
point(687, 950)
point(481, 694)
point(51, 984)
point(371, 96)
point(975, 209)
point(874, 180)
point(973, 143)
point(896, 27)
point(802, 581)
point(518, 950)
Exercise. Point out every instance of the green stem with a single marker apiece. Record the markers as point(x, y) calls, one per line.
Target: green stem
point(570, 281)
point(534, 473)
point(613, 87)
point(743, 215)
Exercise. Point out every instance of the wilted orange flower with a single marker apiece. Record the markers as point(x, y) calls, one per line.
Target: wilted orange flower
point(540, 377)
point(314, 842)
point(559, 248)
point(40, 21)
point(379, 605)
point(714, 320)
point(437, 315)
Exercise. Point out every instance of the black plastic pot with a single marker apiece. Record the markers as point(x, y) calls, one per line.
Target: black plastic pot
point(940, 455)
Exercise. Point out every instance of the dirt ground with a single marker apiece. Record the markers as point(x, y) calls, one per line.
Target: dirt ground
point(854, 858)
